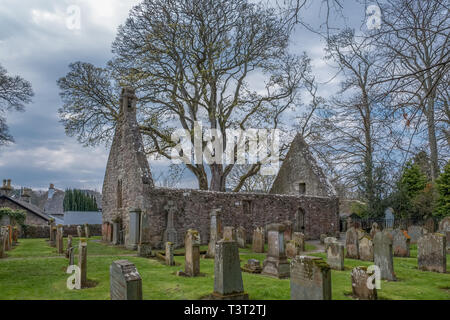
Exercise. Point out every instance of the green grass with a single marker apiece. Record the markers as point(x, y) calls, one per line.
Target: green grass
point(33, 270)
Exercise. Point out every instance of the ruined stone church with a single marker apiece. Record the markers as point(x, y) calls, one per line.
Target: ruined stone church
point(146, 216)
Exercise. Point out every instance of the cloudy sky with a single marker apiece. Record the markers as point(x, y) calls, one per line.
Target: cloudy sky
point(38, 40)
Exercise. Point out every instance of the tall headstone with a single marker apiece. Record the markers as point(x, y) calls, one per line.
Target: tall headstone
point(288, 231)
point(133, 229)
point(429, 225)
point(335, 256)
point(352, 243)
point(299, 239)
point(60, 239)
point(169, 254)
point(82, 261)
point(51, 224)
point(240, 237)
point(69, 245)
point(71, 254)
point(86, 231)
point(431, 252)
point(292, 249)
point(366, 249)
point(170, 233)
point(415, 232)
point(228, 283)
point(360, 288)
point(310, 279)
point(258, 240)
point(79, 232)
point(400, 243)
point(54, 232)
point(276, 263)
point(2, 245)
point(116, 234)
point(389, 218)
point(192, 255)
point(229, 233)
point(444, 228)
point(375, 228)
point(125, 281)
point(214, 233)
point(383, 255)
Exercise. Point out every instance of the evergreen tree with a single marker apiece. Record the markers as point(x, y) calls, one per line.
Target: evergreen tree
point(443, 188)
point(77, 200)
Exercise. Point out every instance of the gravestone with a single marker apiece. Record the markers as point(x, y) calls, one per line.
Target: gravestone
point(192, 256)
point(125, 281)
point(299, 239)
point(86, 231)
point(71, 255)
point(276, 263)
point(415, 232)
point(109, 232)
point(133, 229)
point(240, 237)
point(228, 283)
point(360, 289)
point(375, 228)
point(15, 235)
point(310, 279)
point(288, 231)
point(366, 249)
point(253, 266)
point(327, 242)
point(361, 233)
point(322, 238)
point(53, 241)
point(352, 243)
point(431, 252)
point(82, 261)
point(444, 228)
point(335, 256)
point(258, 240)
point(389, 218)
point(169, 254)
point(400, 243)
point(79, 231)
point(170, 233)
point(50, 227)
point(2, 245)
point(383, 256)
point(214, 233)
point(60, 240)
point(429, 225)
point(229, 233)
point(292, 249)
point(116, 234)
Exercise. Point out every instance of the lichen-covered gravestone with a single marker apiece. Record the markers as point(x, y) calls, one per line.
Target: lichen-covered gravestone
point(71, 254)
point(214, 234)
point(86, 231)
point(360, 288)
point(352, 243)
point(400, 243)
point(335, 256)
point(276, 263)
point(53, 236)
point(299, 239)
point(228, 283)
point(82, 262)
point(125, 281)
point(310, 279)
point(288, 230)
point(229, 233)
point(415, 232)
point(240, 237)
point(431, 255)
point(192, 253)
point(79, 231)
point(169, 254)
point(253, 266)
point(258, 240)
point(69, 245)
point(375, 228)
point(366, 249)
point(59, 240)
point(292, 249)
point(2, 245)
point(327, 241)
point(383, 256)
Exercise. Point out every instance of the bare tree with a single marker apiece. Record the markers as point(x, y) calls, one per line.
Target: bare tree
point(15, 92)
point(190, 61)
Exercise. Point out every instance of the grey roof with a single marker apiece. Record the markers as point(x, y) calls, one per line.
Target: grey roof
point(30, 207)
point(82, 217)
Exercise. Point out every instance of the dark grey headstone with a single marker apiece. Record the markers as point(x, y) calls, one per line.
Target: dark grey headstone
point(125, 281)
point(383, 255)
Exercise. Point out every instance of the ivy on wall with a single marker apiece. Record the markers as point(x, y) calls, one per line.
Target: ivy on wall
point(18, 216)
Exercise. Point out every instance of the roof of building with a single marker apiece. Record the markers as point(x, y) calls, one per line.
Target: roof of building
point(82, 217)
point(29, 207)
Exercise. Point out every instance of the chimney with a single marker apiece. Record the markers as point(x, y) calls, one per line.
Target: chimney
point(6, 189)
point(26, 195)
point(51, 191)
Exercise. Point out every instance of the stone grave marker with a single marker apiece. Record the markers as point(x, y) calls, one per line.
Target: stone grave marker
point(375, 228)
point(228, 283)
point(258, 240)
point(366, 249)
point(82, 261)
point(429, 225)
point(276, 263)
point(444, 228)
point(335, 256)
point(214, 233)
point(86, 231)
point(352, 243)
point(360, 289)
point(327, 241)
point(431, 252)
point(415, 232)
point(240, 237)
point(229, 233)
point(169, 254)
point(192, 255)
point(79, 231)
point(253, 266)
point(299, 239)
point(400, 243)
point(125, 281)
point(288, 231)
point(383, 255)
point(310, 279)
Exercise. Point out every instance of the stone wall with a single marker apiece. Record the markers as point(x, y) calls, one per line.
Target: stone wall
point(40, 231)
point(31, 219)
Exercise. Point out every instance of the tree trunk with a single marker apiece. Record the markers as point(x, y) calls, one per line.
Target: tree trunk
point(432, 139)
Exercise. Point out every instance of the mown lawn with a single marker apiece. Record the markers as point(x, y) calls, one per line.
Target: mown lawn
point(33, 270)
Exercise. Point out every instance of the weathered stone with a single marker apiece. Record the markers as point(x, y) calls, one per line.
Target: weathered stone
point(60, 240)
point(352, 243)
point(310, 279)
point(253, 266)
point(2, 246)
point(82, 261)
point(327, 242)
point(359, 285)
point(431, 252)
point(71, 254)
point(133, 231)
point(116, 233)
point(227, 272)
point(429, 225)
point(375, 228)
point(125, 281)
point(214, 232)
point(299, 239)
point(258, 240)
point(240, 237)
point(288, 231)
point(415, 232)
point(169, 254)
point(444, 228)
point(145, 250)
point(383, 256)
point(69, 245)
point(400, 243)
point(322, 238)
point(229, 233)
point(79, 231)
point(276, 263)
point(192, 255)
point(366, 249)
point(170, 233)
point(292, 249)
point(361, 233)
point(335, 256)
point(53, 241)
point(86, 231)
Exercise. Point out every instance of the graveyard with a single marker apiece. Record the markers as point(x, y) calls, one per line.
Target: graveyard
point(33, 270)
